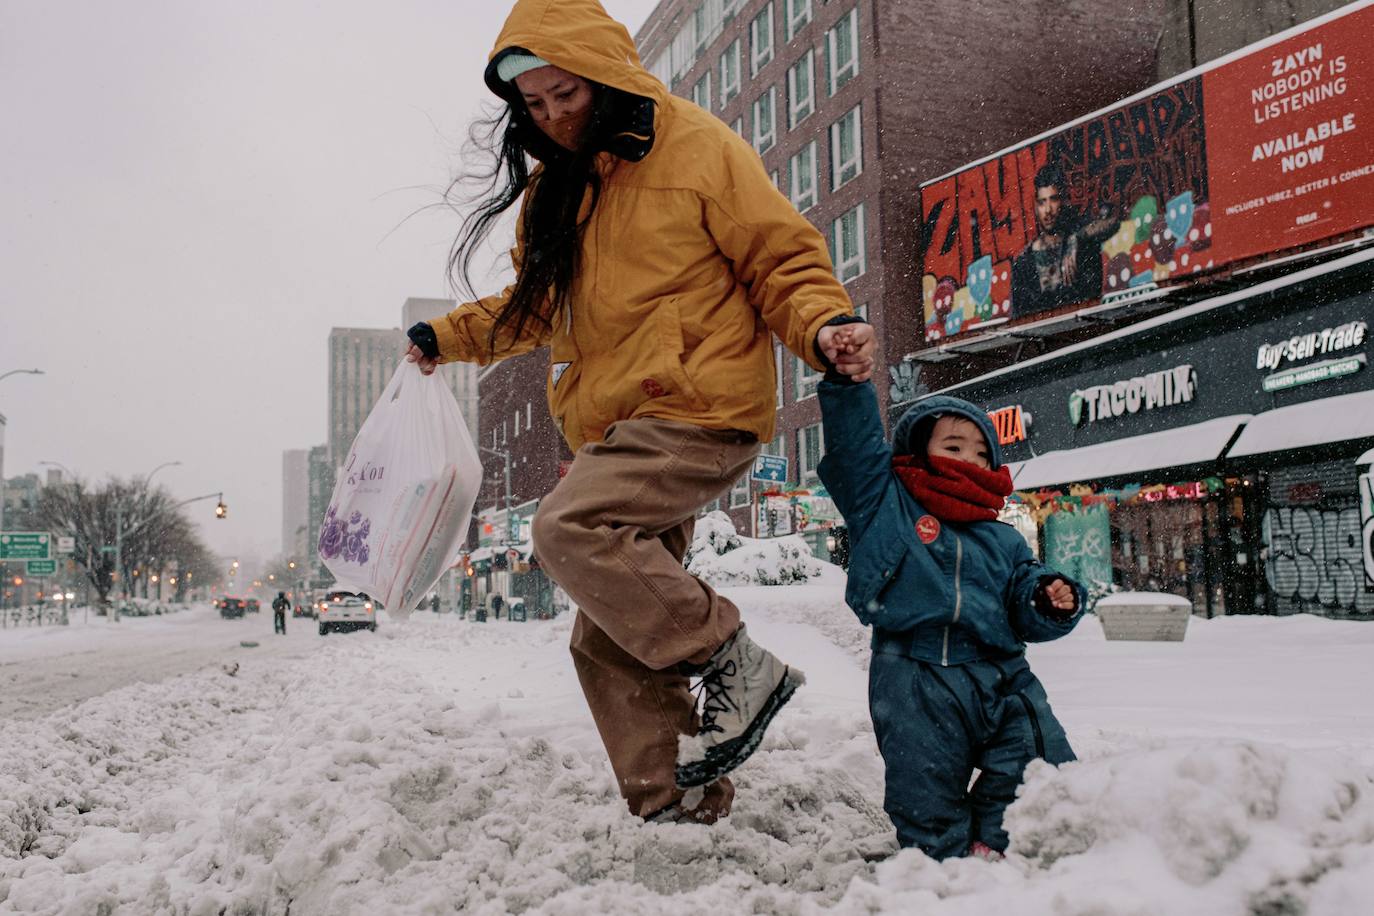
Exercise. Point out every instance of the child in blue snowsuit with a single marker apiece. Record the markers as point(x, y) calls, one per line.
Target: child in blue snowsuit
point(953, 597)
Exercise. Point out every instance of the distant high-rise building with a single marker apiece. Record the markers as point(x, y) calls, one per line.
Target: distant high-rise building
point(320, 472)
point(2, 472)
point(361, 362)
point(295, 501)
point(461, 377)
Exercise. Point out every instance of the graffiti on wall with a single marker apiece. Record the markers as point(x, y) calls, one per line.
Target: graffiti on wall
point(1315, 559)
point(1367, 520)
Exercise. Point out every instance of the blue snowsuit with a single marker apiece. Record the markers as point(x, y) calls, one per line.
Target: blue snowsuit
point(952, 606)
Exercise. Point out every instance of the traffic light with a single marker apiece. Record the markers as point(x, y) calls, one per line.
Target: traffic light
point(221, 510)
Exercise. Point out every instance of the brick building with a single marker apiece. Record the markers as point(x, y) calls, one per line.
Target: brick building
point(851, 103)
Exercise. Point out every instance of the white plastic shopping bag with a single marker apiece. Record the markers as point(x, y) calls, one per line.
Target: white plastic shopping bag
point(401, 507)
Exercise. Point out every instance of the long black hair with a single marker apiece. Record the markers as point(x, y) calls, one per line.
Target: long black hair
point(554, 220)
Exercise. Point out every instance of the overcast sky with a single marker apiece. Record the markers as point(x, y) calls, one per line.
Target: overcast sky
point(192, 194)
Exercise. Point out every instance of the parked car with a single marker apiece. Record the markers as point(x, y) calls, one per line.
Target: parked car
point(301, 608)
point(347, 611)
point(231, 607)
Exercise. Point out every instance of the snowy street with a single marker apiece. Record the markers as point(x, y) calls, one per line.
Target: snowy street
point(46, 668)
point(445, 766)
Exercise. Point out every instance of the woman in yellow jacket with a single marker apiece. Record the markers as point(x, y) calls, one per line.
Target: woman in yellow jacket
point(655, 259)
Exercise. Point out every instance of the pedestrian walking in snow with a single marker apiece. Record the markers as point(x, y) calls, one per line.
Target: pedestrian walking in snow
point(280, 604)
point(953, 597)
point(653, 257)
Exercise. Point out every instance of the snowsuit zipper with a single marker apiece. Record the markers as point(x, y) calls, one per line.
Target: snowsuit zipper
point(1034, 724)
point(958, 598)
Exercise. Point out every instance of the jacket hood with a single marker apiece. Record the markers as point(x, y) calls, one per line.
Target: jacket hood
point(937, 405)
point(579, 36)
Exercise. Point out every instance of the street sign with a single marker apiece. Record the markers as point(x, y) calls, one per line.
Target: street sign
point(770, 468)
point(66, 545)
point(24, 545)
point(42, 567)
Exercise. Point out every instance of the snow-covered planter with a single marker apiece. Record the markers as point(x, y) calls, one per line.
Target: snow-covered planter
point(1149, 616)
point(722, 558)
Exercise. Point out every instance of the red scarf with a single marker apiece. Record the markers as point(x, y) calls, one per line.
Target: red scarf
point(953, 490)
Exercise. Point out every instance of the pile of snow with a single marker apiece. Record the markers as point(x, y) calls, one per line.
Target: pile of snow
point(444, 766)
point(722, 557)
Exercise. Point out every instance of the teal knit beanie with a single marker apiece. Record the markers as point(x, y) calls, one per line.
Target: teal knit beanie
point(512, 65)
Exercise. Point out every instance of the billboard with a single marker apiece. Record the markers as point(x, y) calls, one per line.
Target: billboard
point(1269, 149)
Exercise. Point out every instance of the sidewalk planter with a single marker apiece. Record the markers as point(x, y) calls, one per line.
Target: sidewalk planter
point(1146, 616)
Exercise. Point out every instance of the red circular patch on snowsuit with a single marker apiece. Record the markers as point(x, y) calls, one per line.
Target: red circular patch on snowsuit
point(652, 388)
point(927, 528)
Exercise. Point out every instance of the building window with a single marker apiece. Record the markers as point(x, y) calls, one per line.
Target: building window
point(847, 239)
point(806, 380)
point(662, 67)
point(801, 170)
point(761, 40)
point(503, 432)
point(517, 423)
point(683, 50)
point(776, 179)
point(729, 73)
point(810, 451)
point(801, 90)
point(765, 122)
point(846, 148)
point(729, 8)
point(706, 22)
point(737, 126)
point(529, 414)
point(777, 365)
point(739, 493)
point(842, 51)
point(798, 15)
point(701, 91)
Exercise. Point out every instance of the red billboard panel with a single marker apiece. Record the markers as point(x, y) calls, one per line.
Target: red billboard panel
point(1270, 149)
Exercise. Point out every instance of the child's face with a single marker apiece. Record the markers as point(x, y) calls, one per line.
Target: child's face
point(960, 439)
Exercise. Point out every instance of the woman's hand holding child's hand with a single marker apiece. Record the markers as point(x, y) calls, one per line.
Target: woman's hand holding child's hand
point(1061, 595)
point(850, 347)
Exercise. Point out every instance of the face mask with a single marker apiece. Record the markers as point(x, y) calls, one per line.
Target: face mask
point(567, 131)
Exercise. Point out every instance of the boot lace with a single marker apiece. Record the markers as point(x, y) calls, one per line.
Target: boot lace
point(714, 695)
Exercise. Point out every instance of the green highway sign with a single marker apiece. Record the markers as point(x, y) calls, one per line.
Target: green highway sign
point(42, 567)
point(24, 545)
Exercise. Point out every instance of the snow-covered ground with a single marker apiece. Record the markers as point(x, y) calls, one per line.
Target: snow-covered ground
point(444, 766)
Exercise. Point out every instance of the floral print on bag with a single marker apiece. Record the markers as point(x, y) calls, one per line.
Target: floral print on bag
point(347, 538)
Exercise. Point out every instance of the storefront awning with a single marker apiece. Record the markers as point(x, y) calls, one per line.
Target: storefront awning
point(1338, 419)
point(1195, 444)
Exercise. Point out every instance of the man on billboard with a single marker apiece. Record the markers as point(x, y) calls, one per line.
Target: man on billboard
point(1063, 263)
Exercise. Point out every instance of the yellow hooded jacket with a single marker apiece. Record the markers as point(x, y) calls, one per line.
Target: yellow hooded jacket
point(691, 258)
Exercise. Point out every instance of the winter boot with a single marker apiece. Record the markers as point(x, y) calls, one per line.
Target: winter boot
point(985, 852)
point(742, 687)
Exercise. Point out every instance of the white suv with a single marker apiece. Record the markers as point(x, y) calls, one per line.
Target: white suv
point(347, 611)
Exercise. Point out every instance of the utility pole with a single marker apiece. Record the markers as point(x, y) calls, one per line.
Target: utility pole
point(505, 457)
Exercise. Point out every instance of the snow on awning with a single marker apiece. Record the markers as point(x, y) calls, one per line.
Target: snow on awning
point(1170, 448)
point(1346, 416)
point(480, 554)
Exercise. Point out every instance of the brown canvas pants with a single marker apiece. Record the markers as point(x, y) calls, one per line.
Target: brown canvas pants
point(613, 534)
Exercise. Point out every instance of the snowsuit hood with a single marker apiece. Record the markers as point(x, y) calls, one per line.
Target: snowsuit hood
point(935, 406)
